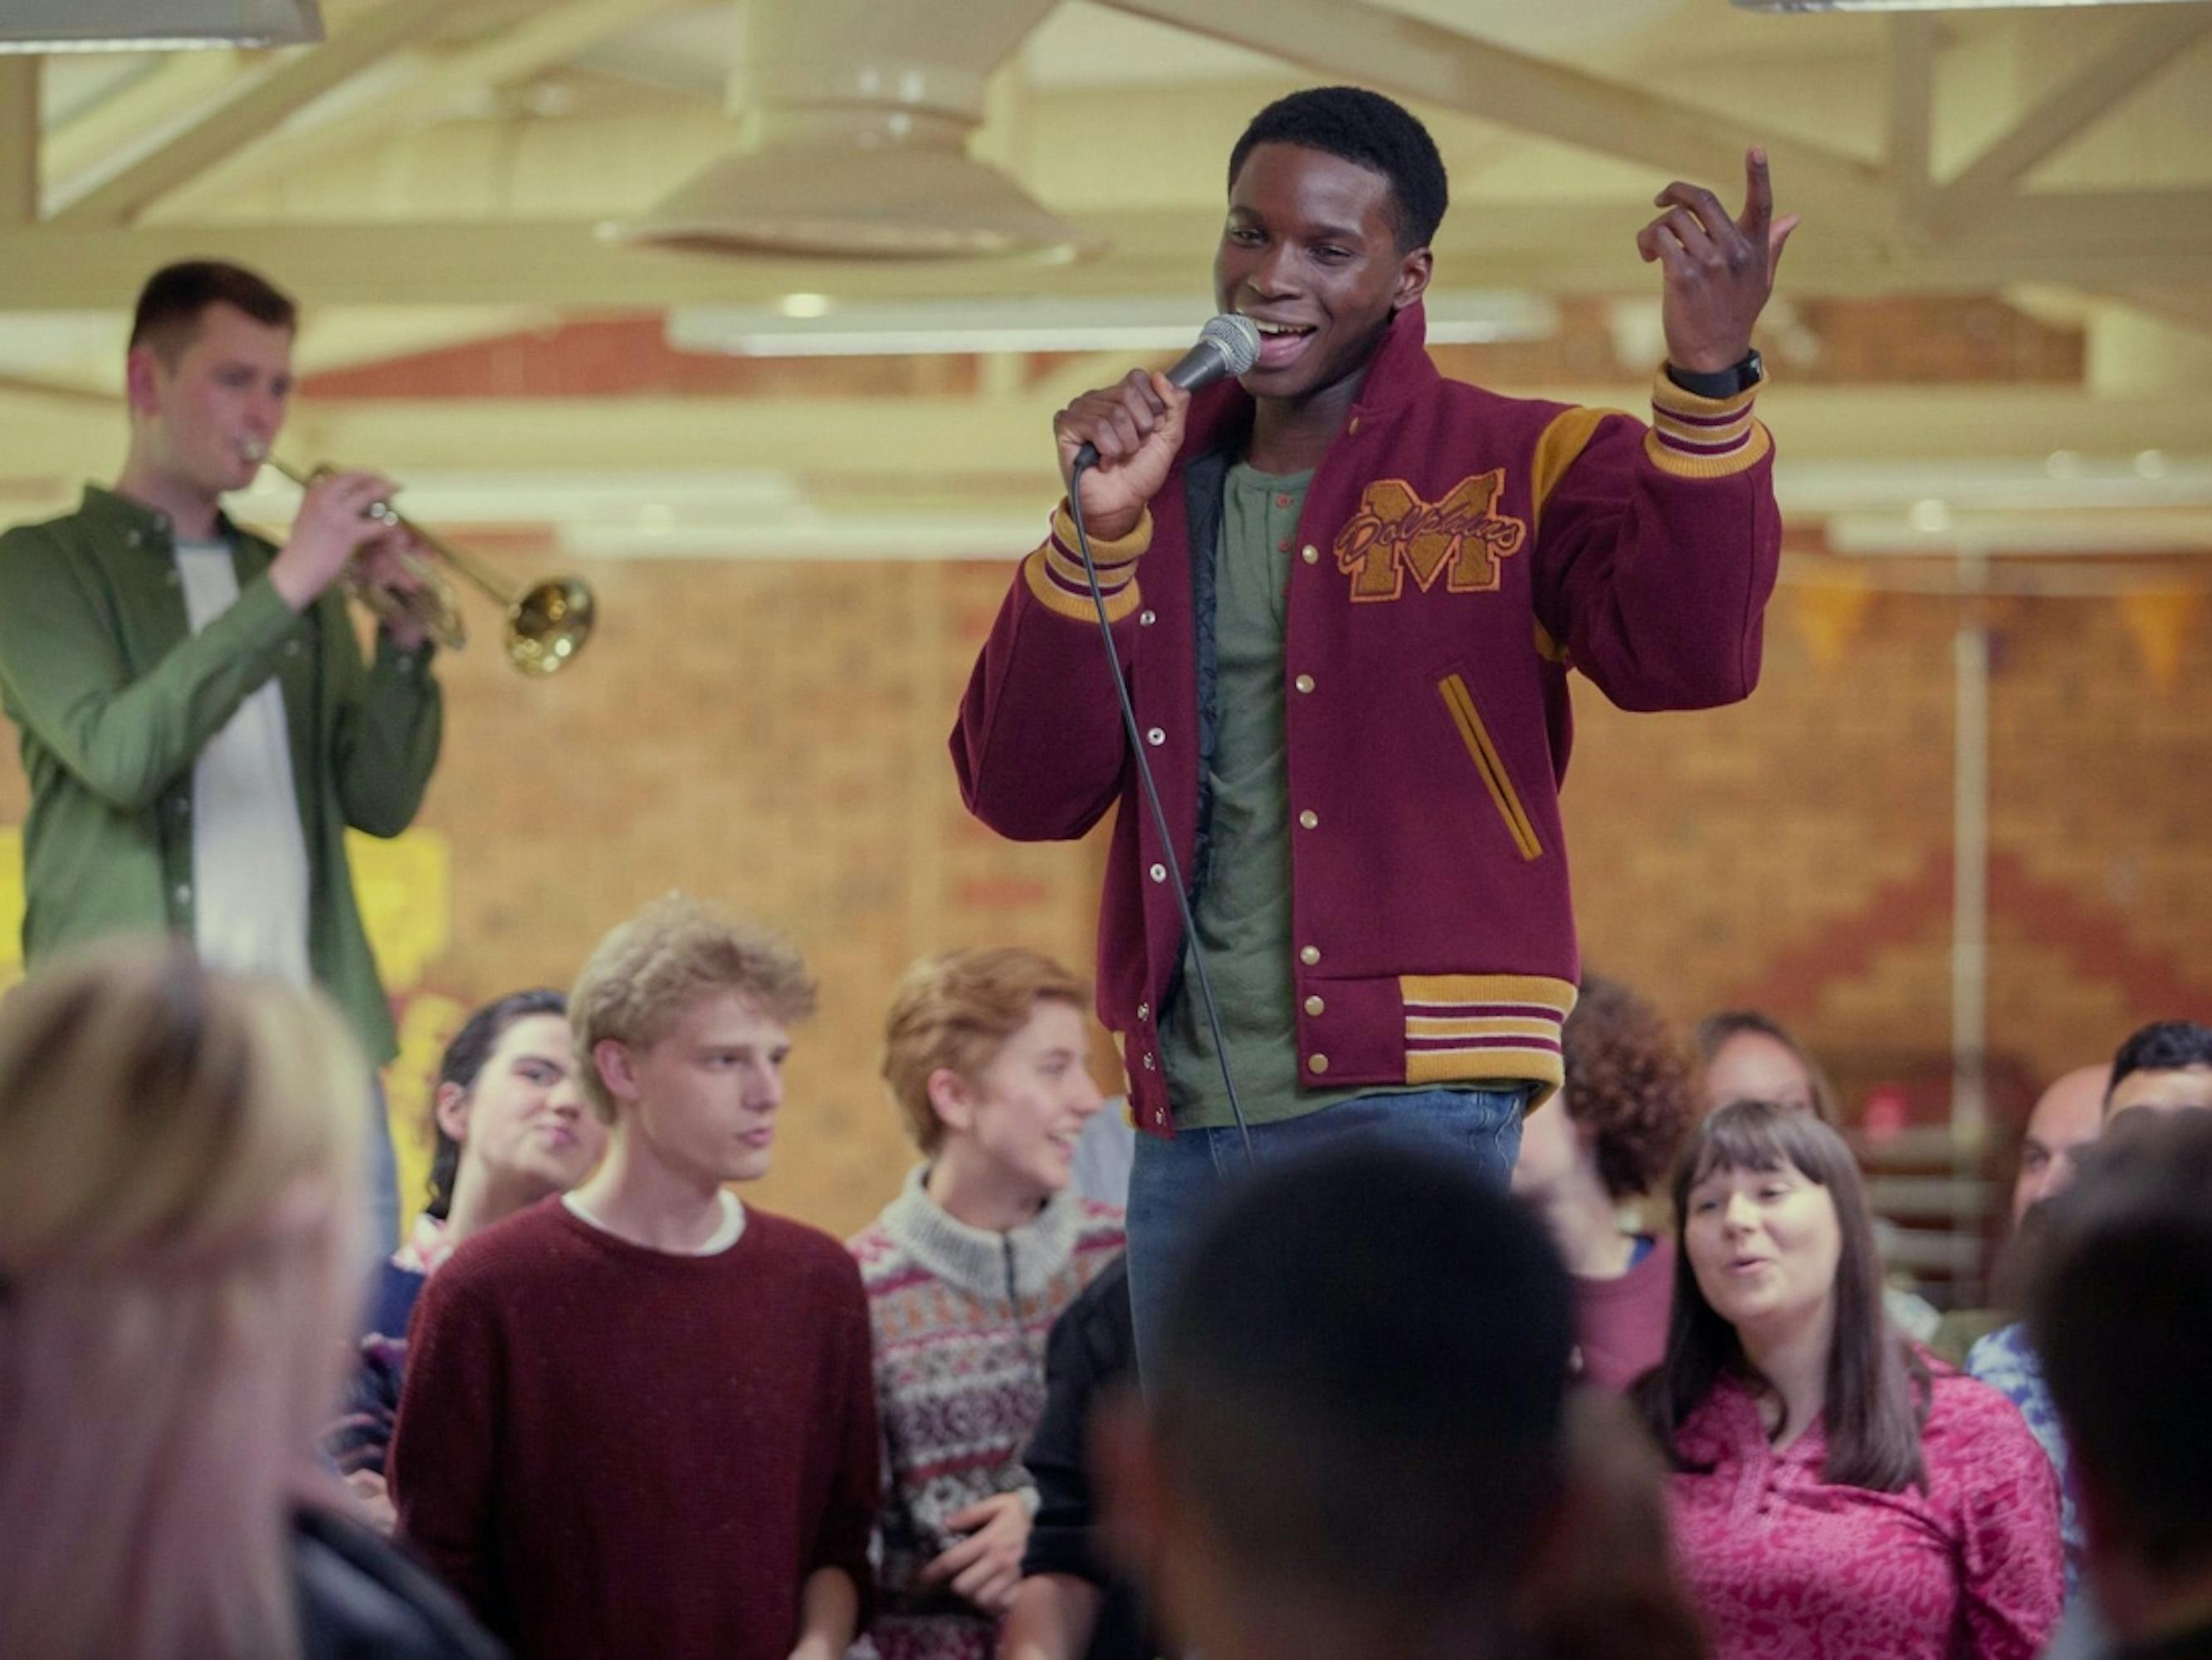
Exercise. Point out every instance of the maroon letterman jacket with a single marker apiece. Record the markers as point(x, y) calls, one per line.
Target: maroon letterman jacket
point(1458, 553)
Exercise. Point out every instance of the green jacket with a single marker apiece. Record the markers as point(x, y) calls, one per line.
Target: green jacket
point(115, 697)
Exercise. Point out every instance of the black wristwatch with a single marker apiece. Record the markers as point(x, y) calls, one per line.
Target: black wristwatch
point(1720, 383)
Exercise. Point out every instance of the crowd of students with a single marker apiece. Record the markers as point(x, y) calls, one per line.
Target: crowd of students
point(1656, 1404)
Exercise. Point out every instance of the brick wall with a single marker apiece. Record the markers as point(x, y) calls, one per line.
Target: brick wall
point(773, 735)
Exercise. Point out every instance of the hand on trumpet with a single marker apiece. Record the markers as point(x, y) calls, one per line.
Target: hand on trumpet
point(390, 560)
point(332, 523)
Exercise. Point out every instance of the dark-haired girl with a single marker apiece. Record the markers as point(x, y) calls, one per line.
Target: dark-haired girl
point(1835, 1495)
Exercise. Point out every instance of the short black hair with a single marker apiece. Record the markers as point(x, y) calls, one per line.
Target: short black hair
point(1362, 1391)
point(464, 1061)
point(175, 298)
point(2162, 1046)
point(1369, 131)
point(2120, 1312)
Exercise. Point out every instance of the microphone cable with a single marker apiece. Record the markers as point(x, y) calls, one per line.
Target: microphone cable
point(1084, 463)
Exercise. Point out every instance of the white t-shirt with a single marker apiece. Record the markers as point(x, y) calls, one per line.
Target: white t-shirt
point(250, 876)
point(727, 1231)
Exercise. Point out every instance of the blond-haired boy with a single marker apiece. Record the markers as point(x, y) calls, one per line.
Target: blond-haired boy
point(640, 1417)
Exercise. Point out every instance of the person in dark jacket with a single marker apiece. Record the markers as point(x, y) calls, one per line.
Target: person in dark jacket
point(1070, 1602)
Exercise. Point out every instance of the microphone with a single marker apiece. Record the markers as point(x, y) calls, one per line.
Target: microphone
point(1227, 346)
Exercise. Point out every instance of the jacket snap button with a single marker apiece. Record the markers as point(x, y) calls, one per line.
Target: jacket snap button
point(1315, 1006)
point(1156, 738)
point(1317, 1063)
point(1309, 956)
point(1309, 819)
point(1159, 872)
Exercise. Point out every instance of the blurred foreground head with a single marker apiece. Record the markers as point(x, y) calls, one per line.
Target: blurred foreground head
point(181, 1260)
point(2120, 1309)
point(1353, 1445)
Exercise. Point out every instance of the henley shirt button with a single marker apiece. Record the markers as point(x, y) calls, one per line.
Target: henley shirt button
point(133, 538)
point(1146, 619)
point(1156, 738)
point(1304, 682)
point(1309, 956)
point(1144, 1010)
point(1283, 546)
point(1317, 1063)
point(1310, 554)
point(1282, 500)
point(1309, 819)
point(1159, 872)
point(184, 893)
point(1315, 1006)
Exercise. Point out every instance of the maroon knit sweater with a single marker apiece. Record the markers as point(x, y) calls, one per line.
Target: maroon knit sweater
point(612, 1451)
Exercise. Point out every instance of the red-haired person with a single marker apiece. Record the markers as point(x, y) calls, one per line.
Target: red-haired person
point(1606, 1142)
point(987, 1054)
point(1835, 1496)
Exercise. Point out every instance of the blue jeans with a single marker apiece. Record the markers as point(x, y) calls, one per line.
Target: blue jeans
point(1173, 1184)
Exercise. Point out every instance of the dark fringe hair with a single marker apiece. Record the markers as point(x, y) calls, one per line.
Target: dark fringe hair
point(1877, 1385)
point(168, 315)
point(464, 1060)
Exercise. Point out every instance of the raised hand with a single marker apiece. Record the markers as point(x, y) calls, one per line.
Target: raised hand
point(1136, 426)
point(1719, 271)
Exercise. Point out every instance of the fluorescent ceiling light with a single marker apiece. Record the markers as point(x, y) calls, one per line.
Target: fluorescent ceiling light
point(1928, 5)
point(1038, 323)
point(59, 25)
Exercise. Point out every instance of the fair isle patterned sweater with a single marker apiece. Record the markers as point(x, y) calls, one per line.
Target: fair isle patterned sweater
point(961, 1316)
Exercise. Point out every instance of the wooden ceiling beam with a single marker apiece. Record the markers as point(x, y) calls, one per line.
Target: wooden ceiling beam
point(553, 34)
point(19, 140)
point(2085, 98)
point(1387, 50)
point(2095, 240)
point(256, 105)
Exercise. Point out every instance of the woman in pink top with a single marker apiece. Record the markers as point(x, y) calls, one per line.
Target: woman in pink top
point(1835, 1497)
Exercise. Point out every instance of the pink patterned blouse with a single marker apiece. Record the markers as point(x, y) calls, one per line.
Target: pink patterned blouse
point(1785, 1567)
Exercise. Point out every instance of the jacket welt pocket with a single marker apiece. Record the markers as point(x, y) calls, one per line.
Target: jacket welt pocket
point(1459, 701)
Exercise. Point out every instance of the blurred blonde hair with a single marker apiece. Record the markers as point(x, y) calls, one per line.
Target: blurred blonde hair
point(956, 1010)
point(181, 1252)
point(671, 956)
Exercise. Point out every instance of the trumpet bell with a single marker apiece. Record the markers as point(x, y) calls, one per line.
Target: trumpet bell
point(548, 625)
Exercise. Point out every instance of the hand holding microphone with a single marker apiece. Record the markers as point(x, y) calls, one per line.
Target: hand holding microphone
point(1124, 438)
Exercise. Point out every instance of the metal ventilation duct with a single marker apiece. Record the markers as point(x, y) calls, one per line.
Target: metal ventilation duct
point(55, 26)
point(856, 119)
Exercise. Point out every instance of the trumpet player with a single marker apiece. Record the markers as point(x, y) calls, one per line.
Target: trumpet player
point(197, 722)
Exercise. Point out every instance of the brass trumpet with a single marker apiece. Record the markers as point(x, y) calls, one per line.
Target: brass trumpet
point(547, 623)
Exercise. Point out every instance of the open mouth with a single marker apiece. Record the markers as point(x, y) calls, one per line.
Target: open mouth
point(1282, 343)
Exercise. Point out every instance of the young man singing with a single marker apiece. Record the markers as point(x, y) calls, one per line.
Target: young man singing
point(1347, 592)
point(639, 1418)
